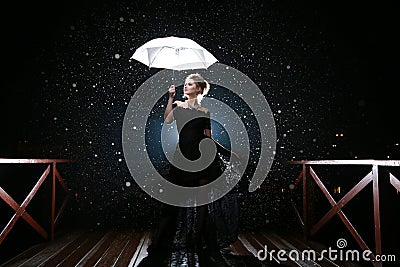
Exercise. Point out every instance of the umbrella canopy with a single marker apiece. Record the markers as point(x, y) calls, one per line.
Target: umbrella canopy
point(174, 53)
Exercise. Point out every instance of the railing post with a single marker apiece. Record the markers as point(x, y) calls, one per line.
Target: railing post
point(53, 201)
point(377, 220)
point(306, 229)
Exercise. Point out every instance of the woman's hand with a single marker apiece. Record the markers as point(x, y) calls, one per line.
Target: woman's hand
point(171, 91)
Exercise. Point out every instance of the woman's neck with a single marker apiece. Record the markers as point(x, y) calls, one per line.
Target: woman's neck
point(193, 103)
point(193, 100)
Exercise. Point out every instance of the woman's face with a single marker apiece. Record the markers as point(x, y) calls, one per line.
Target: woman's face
point(190, 88)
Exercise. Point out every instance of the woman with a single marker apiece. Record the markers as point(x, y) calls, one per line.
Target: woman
point(194, 125)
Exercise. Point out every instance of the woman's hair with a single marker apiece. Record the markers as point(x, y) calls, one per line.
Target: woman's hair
point(201, 83)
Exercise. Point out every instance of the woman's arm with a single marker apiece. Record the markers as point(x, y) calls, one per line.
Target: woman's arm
point(168, 115)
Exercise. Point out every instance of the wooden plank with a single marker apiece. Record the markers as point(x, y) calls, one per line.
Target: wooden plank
point(93, 255)
point(240, 249)
point(255, 245)
point(57, 254)
point(232, 248)
point(261, 243)
point(112, 254)
point(124, 247)
point(247, 245)
point(273, 244)
point(292, 248)
point(141, 251)
point(50, 249)
point(66, 258)
point(266, 243)
point(129, 250)
point(25, 255)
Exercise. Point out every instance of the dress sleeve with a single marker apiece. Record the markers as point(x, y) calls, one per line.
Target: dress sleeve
point(207, 121)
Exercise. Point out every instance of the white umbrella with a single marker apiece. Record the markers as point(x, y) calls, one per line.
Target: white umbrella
point(174, 53)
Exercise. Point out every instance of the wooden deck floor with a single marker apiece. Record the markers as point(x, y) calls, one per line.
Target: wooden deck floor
point(128, 248)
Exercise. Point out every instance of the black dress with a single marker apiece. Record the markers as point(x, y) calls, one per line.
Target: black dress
point(214, 224)
point(222, 215)
point(191, 124)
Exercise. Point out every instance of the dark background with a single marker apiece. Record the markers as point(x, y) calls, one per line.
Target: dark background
point(325, 68)
point(357, 45)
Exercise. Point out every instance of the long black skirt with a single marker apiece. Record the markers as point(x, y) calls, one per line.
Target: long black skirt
point(223, 214)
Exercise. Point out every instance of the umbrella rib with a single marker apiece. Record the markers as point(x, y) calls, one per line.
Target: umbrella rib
point(201, 56)
point(155, 56)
